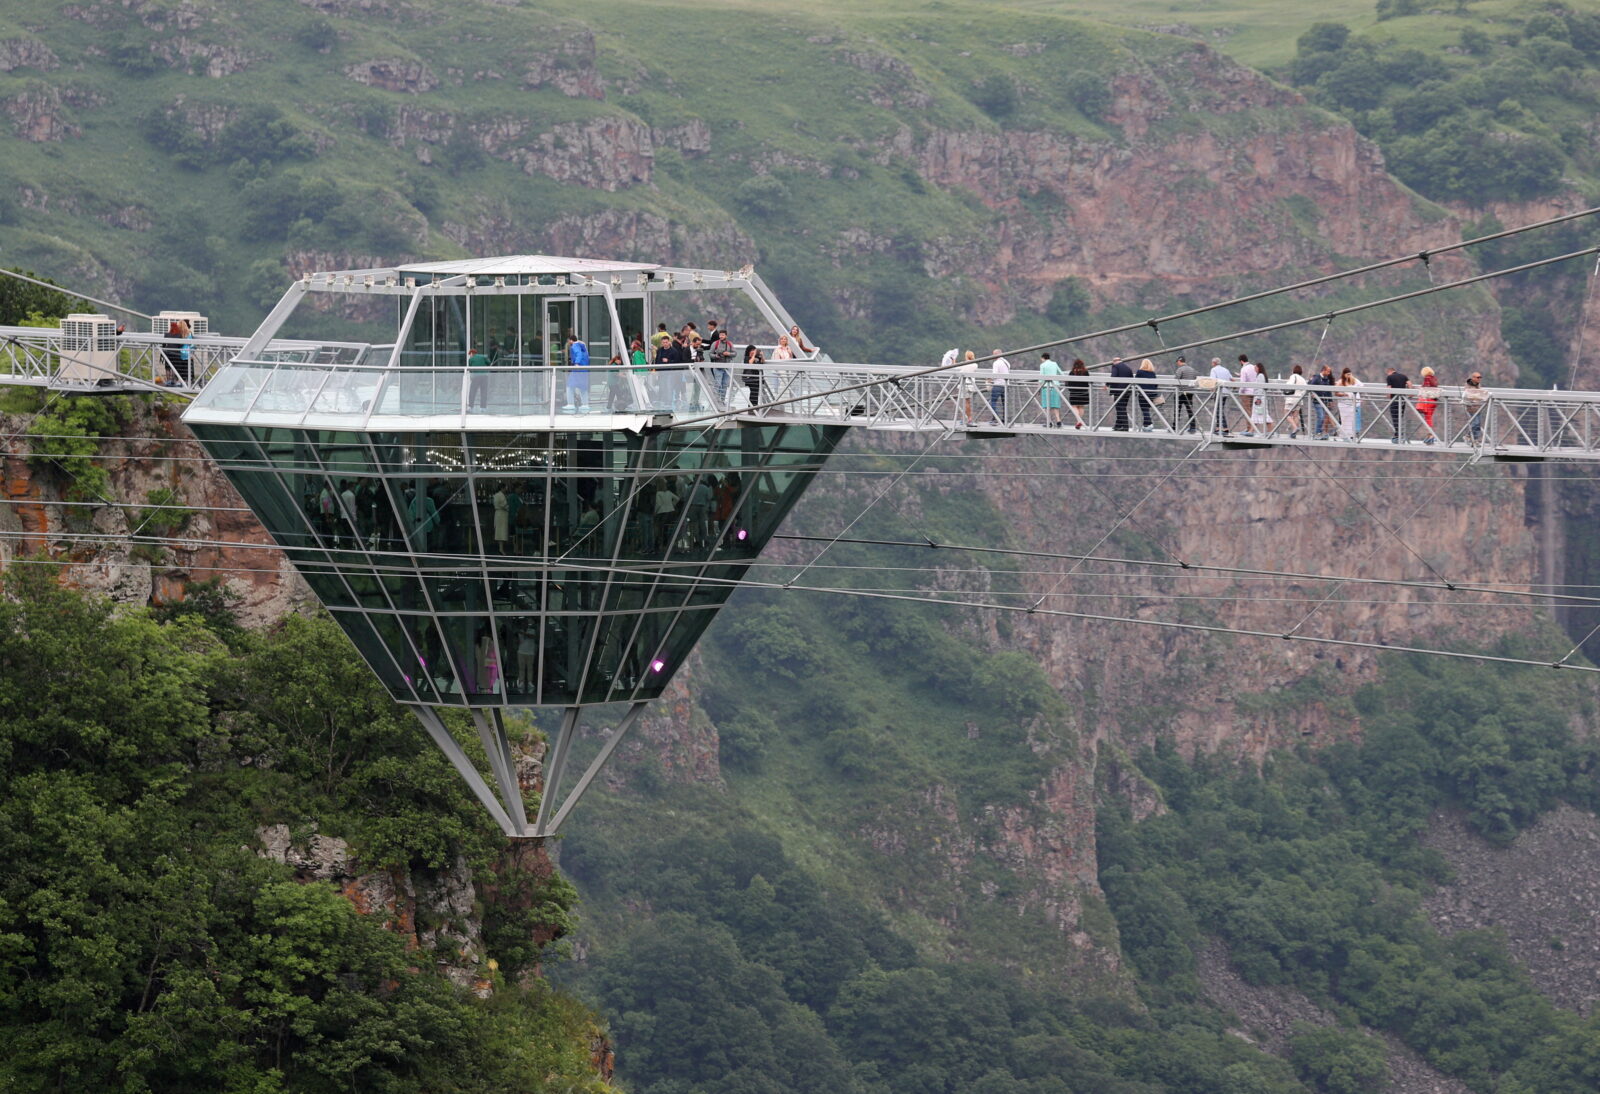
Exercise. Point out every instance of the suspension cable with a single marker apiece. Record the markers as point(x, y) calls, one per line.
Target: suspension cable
point(1352, 309)
point(76, 295)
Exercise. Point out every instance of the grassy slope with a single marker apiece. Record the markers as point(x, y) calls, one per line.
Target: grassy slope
point(736, 66)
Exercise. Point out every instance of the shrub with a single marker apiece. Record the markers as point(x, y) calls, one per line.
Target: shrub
point(996, 96)
point(762, 196)
point(743, 742)
point(1338, 1061)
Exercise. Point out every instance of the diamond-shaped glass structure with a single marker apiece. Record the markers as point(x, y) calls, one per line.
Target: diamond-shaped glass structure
point(492, 521)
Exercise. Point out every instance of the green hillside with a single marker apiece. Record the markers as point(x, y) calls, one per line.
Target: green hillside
point(923, 869)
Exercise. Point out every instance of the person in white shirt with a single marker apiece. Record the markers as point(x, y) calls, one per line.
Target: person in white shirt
point(1249, 392)
point(1220, 373)
point(948, 361)
point(1292, 416)
point(997, 390)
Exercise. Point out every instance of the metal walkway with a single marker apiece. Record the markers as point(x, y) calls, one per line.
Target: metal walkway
point(1505, 423)
point(42, 357)
point(1498, 423)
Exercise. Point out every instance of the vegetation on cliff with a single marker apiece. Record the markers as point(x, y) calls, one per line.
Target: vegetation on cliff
point(147, 942)
point(1311, 871)
point(1500, 111)
point(765, 945)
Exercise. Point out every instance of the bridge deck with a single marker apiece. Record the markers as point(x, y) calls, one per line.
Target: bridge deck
point(334, 384)
point(1499, 423)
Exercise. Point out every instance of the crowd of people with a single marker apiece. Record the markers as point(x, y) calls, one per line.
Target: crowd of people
point(657, 361)
point(1321, 406)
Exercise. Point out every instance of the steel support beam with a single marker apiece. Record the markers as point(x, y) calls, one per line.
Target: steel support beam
point(492, 732)
point(555, 765)
point(591, 771)
point(463, 764)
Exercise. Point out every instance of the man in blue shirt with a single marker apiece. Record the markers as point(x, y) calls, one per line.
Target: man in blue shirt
point(577, 374)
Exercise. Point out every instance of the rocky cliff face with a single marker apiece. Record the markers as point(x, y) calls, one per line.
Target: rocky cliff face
point(220, 540)
point(1181, 208)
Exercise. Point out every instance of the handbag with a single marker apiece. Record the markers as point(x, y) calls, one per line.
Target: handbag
point(1159, 400)
point(1206, 383)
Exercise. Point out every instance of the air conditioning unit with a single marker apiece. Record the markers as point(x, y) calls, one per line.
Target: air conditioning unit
point(198, 324)
point(88, 349)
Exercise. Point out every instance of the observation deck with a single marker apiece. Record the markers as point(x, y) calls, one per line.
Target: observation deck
point(497, 522)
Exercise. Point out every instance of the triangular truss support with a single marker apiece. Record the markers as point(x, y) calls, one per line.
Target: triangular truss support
point(503, 800)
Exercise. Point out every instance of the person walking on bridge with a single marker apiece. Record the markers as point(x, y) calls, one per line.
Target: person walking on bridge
point(1121, 390)
point(1475, 398)
point(1396, 381)
point(1319, 400)
point(1249, 376)
point(997, 389)
point(1292, 404)
point(1146, 393)
point(1078, 393)
point(1347, 405)
point(1185, 375)
point(1429, 402)
point(969, 383)
point(1050, 391)
point(1219, 376)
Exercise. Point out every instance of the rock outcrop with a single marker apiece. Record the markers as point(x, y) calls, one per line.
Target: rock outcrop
point(394, 74)
point(445, 901)
point(1541, 892)
point(1268, 1016)
point(38, 113)
point(220, 540)
point(18, 53)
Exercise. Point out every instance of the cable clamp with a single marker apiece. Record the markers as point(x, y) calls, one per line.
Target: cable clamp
point(1426, 256)
point(1152, 324)
point(930, 542)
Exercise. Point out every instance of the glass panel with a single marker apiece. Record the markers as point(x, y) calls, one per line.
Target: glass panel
point(348, 392)
point(630, 309)
point(235, 387)
point(418, 393)
point(530, 311)
point(560, 316)
point(290, 389)
point(596, 329)
point(489, 620)
point(374, 652)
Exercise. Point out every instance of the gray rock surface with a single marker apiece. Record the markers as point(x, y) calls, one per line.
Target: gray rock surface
point(1543, 891)
point(1268, 1014)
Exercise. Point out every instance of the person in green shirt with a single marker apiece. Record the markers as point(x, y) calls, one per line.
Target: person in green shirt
point(1050, 391)
point(478, 366)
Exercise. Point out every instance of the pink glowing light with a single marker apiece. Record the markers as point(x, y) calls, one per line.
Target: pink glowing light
point(741, 535)
point(657, 665)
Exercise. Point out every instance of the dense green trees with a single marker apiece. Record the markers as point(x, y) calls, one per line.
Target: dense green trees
point(1311, 873)
point(1501, 123)
point(146, 945)
point(21, 301)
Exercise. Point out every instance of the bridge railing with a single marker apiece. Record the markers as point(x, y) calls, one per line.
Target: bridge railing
point(293, 391)
point(333, 384)
point(1502, 420)
point(39, 357)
